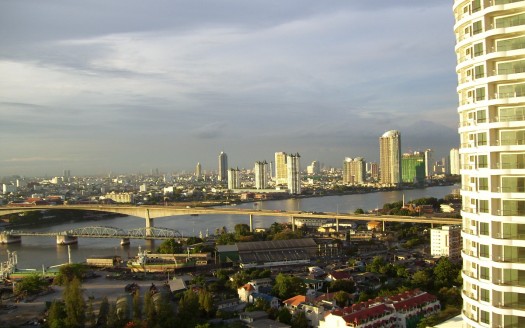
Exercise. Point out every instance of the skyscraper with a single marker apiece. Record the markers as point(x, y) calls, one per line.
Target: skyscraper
point(233, 179)
point(281, 170)
point(223, 166)
point(413, 167)
point(490, 50)
point(354, 171)
point(294, 174)
point(261, 176)
point(198, 170)
point(390, 158)
point(429, 163)
point(454, 161)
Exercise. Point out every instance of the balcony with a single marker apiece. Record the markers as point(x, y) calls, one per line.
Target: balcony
point(509, 259)
point(510, 165)
point(510, 236)
point(470, 274)
point(510, 212)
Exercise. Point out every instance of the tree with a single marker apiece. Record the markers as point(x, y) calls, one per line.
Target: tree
point(288, 286)
point(103, 312)
point(299, 320)
point(70, 271)
point(421, 279)
point(206, 301)
point(149, 310)
point(56, 315)
point(242, 229)
point(170, 246)
point(342, 285)
point(188, 308)
point(137, 306)
point(75, 305)
point(359, 211)
point(342, 298)
point(284, 316)
point(445, 273)
point(31, 285)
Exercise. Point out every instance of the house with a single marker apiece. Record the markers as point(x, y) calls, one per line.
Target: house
point(266, 323)
point(230, 305)
point(272, 300)
point(338, 275)
point(245, 291)
point(249, 317)
point(293, 303)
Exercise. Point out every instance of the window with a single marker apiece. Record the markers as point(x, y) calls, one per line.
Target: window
point(480, 94)
point(477, 27)
point(512, 137)
point(513, 207)
point(476, 5)
point(512, 184)
point(484, 228)
point(512, 161)
point(484, 295)
point(483, 161)
point(483, 206)
point(484, 273)
point(507, 114)
point(517, 66)
point(479, 71)
point(511, 44)
point(484, 317)
point(484, 250)
point(511, 90)
point(510, 21)
point(482, 139)
point(478, 49)
point(483, 183)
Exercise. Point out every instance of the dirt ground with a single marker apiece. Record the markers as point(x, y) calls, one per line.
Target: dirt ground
point(25, 312)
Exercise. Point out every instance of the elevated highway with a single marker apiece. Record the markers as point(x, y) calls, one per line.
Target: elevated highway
point(156, 212)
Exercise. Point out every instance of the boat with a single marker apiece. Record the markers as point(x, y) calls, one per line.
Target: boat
point(146, 261)
point(10, 271)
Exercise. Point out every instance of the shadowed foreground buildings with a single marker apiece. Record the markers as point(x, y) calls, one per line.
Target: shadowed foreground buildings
point(490, 49)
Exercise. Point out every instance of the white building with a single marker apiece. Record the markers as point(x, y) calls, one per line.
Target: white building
point(390, 158)
point(446, 241)
point(454, 161)
point(313, 168)
point(294, 173)
point(125, 197)
point(354, 171)
point(198, 170)
point(6, 189)
point(233, 179)
point(261, 175)
point(429, 163)
point(490, 50)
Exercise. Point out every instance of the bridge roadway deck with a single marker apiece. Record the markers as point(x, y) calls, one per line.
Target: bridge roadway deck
point(153, 212)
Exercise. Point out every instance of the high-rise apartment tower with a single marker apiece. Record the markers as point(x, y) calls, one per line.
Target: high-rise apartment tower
point(390, 158)
point(490, 50)
point(281, 169)
point(261, 176)
point(223, 166)
point(294, 174)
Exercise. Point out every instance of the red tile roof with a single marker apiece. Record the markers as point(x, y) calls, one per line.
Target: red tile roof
point(295, 301)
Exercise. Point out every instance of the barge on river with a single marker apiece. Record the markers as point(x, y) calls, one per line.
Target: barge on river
point(146, 261)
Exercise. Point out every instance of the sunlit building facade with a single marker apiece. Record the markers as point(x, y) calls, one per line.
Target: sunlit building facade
point(223, 166)
point(490, 49)
point(281, 169)
point(390, 158)
point(293, 163)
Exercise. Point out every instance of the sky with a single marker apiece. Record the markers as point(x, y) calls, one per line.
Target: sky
point(129, 86)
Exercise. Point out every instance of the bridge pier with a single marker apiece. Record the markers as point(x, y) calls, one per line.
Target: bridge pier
point(251, 222)
point(10, 239)
point(149, 223)
point(383, 225)
point(292, 219)
point(124, 242)
point(336, 224)
point(66, 240)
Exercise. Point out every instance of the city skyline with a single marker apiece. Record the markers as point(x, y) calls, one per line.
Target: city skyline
point(97, 87)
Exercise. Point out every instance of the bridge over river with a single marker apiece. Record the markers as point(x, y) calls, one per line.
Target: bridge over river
point(151, 213)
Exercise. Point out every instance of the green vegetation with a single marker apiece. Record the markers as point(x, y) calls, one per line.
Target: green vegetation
point(31, 285)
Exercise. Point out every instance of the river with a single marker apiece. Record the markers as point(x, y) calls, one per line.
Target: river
point(34, 252)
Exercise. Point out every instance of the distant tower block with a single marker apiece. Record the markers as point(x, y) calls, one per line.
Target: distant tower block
point(198, 171)
point(223, 166)
point(261, 176)
point(294, 173)
point(390, 158)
